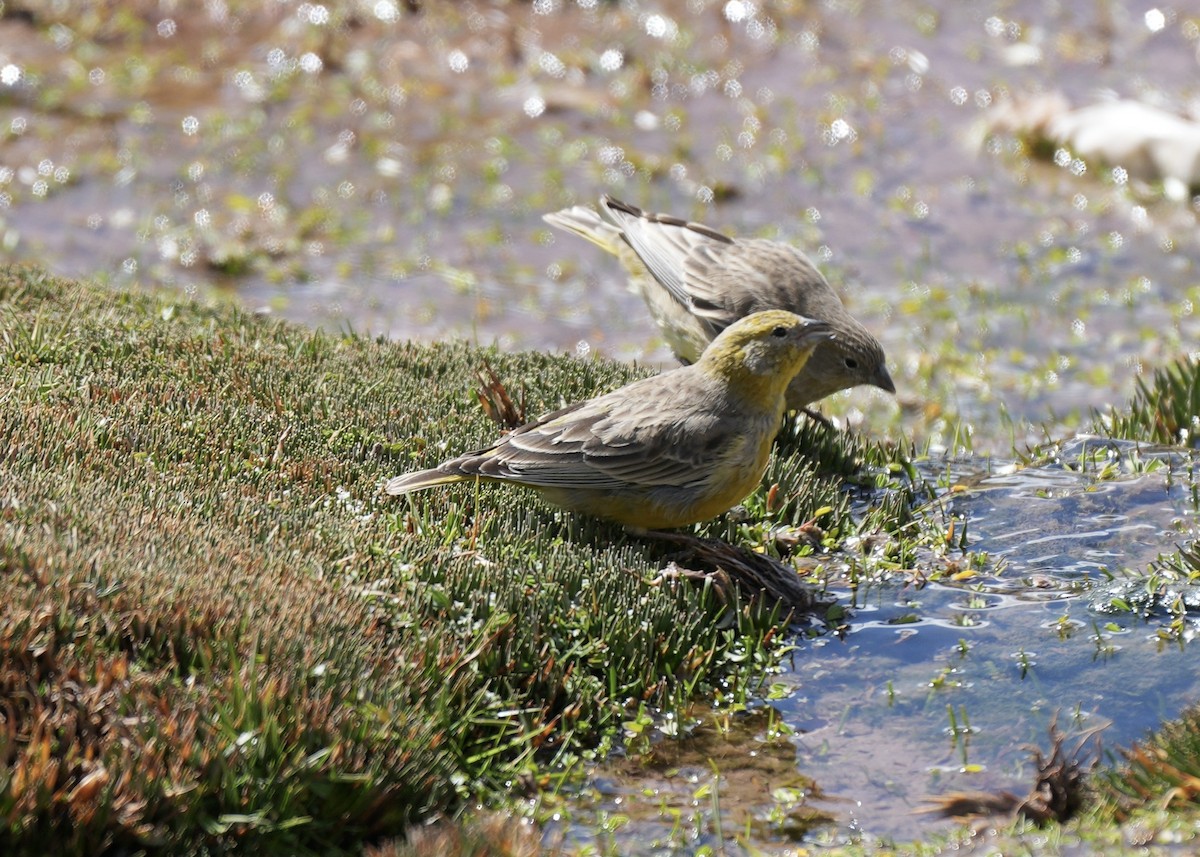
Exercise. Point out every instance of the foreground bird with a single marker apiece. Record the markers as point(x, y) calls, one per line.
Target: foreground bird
point(666, 451)
point(697, 282)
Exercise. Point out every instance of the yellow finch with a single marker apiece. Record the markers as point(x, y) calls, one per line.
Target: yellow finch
point(697, 282)
point(665, 451)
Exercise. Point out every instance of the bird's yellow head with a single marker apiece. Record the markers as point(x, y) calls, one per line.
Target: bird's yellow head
point(761, 353)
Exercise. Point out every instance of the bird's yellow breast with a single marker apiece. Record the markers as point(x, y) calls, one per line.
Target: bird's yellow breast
point(738, 474)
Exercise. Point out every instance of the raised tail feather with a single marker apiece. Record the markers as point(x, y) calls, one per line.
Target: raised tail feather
point(587, 223)
point(421, 479)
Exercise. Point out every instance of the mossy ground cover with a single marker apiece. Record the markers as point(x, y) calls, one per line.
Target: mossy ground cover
point(219, 633)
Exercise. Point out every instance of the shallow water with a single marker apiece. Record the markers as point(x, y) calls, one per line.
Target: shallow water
point(387, 171)
point(943, 687)
point(1008, 654)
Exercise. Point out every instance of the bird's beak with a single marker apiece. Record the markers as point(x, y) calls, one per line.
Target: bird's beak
point(884, 381)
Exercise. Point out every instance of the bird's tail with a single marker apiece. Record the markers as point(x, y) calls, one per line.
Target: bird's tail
point(421, 479)
point(587, 223)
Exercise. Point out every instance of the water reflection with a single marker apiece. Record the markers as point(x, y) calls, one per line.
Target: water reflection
point(938, 686)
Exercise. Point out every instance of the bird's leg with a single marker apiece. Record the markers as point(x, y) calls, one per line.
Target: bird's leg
point(754, 573)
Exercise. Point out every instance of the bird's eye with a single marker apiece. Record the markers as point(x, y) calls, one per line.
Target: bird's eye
point(780, 331)
point(851, 363)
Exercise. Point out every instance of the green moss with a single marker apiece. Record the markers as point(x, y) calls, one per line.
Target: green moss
point(196, 551)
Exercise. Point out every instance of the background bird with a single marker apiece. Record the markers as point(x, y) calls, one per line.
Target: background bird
point(665, 451)
point(697, 281)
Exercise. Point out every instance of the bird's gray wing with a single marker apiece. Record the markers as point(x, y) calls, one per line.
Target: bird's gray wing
point(663, 243)
point(605, 443)
point(726, 282)
point(718, 279)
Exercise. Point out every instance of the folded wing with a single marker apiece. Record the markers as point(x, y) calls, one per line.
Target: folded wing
point(596, 445)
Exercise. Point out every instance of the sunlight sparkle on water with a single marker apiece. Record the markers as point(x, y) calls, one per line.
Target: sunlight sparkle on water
point(386, 11)
point(661, 27)
point(612, 59)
